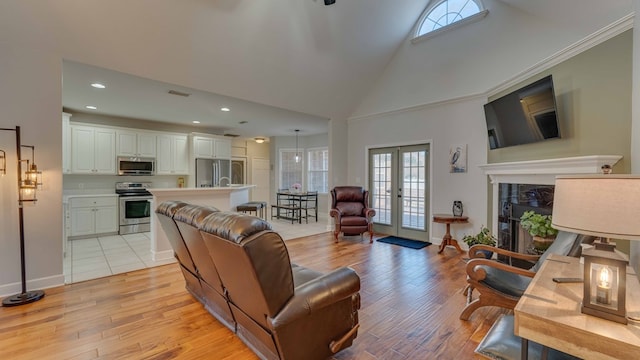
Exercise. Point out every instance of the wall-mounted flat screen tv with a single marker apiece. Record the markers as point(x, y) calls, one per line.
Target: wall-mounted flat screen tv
point(524, 116)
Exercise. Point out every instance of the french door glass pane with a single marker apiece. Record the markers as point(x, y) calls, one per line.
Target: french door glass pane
point(381, 196)
point(413, 205)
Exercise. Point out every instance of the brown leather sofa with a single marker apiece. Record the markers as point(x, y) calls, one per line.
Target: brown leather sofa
point(280, 310)
point(350, 208)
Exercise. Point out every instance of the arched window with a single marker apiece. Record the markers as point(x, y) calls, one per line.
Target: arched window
point(444, 14)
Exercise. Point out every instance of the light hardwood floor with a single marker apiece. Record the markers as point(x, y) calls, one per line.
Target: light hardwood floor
point(411, 300)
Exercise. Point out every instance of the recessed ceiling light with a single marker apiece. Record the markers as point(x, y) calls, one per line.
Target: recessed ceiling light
point(196, 122)
point(98, 86)
point(91, 107)
point(225, 109)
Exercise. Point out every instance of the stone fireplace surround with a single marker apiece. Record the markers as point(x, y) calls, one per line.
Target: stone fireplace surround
point(540, 172)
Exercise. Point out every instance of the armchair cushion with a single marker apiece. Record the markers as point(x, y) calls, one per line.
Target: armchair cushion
point(354, 221)
point(350, 208)
point(505, 282)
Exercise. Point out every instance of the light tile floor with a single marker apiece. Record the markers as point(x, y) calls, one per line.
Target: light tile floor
point(103, 256)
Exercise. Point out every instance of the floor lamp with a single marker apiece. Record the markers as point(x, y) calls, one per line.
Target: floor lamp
point(27, 185)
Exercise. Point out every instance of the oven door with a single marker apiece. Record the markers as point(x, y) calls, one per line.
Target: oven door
point(135, 210)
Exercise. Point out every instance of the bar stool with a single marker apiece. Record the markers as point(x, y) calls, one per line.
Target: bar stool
point(252, 206)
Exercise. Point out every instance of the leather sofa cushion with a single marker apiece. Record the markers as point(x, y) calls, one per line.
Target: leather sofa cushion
point(233, 226)
point(169, 208)
point(350, 209)
point(302, 275)
point(353, 221)
point(193, 214)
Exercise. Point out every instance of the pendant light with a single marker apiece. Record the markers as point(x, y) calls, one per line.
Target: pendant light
point(297, 155)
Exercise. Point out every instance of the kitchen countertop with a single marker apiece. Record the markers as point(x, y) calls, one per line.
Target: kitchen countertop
point(216, 189)
point(86, 193)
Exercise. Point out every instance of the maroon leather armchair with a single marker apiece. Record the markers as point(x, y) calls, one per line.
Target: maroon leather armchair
point(350, 209)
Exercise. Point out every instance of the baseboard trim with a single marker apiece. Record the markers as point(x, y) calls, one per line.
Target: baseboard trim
point(35, 284)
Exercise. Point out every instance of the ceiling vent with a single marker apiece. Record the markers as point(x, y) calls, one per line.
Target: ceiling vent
point(231, 135)
point(179, 93)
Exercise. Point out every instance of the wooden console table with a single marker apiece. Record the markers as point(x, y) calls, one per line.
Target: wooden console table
point(449, 219)
point(549, 314)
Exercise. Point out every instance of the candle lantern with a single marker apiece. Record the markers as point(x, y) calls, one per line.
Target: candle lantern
point(605, 282)
point(606, 206)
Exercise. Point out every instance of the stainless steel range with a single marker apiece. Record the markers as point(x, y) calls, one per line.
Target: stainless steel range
point(135, 207)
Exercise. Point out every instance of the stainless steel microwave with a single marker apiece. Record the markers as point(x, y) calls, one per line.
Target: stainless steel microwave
point(136, 166)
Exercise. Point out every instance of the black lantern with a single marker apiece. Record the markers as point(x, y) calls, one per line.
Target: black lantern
point(605, 270)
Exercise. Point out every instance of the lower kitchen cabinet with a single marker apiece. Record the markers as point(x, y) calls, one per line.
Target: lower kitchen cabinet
point(93, 215)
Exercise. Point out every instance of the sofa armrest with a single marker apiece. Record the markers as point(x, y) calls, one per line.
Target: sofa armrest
point(336, 214)
point(318, 293)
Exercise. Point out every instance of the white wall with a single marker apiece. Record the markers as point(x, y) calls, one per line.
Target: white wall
point(468, 60)
point(30, 97)
point(441, 125)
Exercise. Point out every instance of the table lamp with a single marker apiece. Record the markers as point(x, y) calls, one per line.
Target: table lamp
point(607, 206)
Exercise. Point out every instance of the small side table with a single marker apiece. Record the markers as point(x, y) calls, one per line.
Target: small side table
point(449, 219)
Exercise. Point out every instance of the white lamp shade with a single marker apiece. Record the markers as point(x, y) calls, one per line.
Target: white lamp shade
point(603, 205)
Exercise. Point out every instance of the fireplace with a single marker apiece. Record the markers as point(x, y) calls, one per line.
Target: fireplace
point(528, 185)
point(515, 200)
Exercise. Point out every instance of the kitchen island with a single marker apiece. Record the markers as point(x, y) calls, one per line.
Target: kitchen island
point(224, 198)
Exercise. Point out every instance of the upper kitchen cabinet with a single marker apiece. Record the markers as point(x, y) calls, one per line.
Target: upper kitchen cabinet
point(206, 147)
point(173, 155)
point(138, 144)
point(93, 150)
point(66, 143)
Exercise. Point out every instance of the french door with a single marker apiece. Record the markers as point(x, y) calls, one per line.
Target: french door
point(398, 183)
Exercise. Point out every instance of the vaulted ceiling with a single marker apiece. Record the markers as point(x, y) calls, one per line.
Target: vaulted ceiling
point(304, 61)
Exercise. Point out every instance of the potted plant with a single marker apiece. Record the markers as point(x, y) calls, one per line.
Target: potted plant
point(484, 237)
point(539, 226)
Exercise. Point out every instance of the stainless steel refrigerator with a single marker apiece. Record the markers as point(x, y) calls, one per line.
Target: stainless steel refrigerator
point(210, 172)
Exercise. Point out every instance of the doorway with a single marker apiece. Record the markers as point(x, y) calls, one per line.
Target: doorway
point(398, 179)
point(260, 175)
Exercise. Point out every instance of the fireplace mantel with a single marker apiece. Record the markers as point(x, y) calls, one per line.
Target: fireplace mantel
point(541, 172)
point(545, 171)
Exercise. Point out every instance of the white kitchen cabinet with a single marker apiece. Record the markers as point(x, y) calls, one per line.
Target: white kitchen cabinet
point(211, 148)
point(66, 143)
point(93, 150)
point(90, 216)
point(141, 144)
point(222, 148)
point(173, 155)
point(203, 147)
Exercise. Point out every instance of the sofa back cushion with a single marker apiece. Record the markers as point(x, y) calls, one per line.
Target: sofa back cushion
point(252, 261)
point(188, 219)
point(165, 212)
